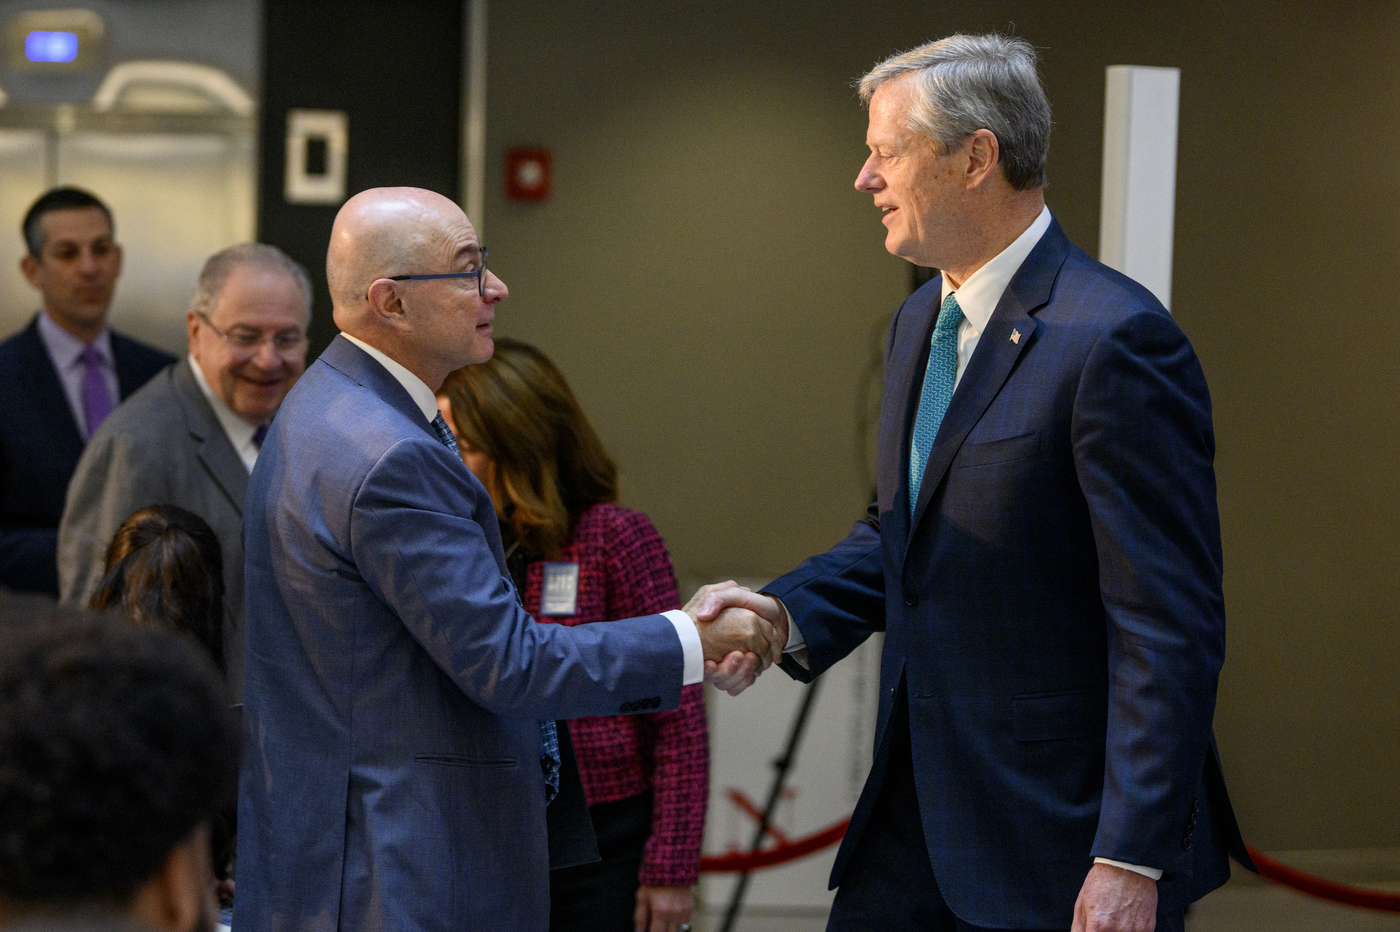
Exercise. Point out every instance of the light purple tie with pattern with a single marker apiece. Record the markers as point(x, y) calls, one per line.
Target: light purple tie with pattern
point(97, 397)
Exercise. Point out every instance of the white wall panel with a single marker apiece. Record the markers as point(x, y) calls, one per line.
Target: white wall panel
point(1139, 174)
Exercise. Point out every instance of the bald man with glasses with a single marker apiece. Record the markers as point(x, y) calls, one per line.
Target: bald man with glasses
point(191, 436)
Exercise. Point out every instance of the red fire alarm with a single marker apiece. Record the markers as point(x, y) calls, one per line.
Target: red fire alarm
point(527, 174)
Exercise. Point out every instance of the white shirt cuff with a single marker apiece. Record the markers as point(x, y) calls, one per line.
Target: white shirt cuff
point(1152, 873)
point(796, 645)
point(692, 654)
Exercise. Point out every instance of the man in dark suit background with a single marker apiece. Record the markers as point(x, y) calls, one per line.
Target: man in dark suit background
point(399, 699)
point(1044, 555)
point(59, 377)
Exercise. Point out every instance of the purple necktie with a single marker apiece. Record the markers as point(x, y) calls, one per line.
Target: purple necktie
point(259, 436)
point(97, 397)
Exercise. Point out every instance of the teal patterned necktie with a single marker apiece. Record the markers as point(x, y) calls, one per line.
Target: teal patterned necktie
point(939, 377)
point(549, 732)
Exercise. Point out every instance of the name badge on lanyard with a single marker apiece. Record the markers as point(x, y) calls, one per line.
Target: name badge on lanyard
point(560, 589)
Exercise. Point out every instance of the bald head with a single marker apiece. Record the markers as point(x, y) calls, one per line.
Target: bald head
point(382, 232)
point(431, 326)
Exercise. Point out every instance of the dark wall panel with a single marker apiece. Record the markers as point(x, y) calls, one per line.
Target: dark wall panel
point(396, 70)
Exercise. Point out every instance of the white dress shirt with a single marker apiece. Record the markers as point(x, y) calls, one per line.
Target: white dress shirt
point(692, 652)
point(65, 352)
point(979, 295)
point(238, 431)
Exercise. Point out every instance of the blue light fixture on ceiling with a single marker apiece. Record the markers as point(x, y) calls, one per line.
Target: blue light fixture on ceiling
point(56, 47)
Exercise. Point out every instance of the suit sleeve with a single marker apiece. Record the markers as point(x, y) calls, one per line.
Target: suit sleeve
point(419, 551)
point(640, 581)
point(836, 599)
point(114, 478)
point(1144, 448)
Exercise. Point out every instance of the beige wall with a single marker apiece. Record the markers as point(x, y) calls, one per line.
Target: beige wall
point(713, 287)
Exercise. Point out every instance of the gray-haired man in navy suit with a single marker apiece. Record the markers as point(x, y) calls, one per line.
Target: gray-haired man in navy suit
point(1044, 554)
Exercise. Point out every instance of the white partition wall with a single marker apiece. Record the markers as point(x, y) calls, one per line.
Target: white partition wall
point(1139, 174)
point(747, 733)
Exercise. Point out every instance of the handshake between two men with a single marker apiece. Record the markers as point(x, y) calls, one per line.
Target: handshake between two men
point(741, 631)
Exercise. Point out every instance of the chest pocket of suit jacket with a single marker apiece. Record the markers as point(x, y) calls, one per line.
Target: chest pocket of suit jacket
point(1002, 450)
point(1082, 713)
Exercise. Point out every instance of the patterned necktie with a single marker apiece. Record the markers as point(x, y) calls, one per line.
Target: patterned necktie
point(549, 733)
point(939, 377)
point(97, 397)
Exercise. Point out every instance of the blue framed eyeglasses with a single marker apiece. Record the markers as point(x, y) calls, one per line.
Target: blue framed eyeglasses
point(478, 273)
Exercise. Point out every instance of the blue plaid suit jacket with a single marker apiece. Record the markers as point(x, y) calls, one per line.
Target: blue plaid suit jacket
point(394, 685)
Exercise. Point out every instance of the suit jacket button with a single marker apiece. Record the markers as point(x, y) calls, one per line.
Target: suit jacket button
point(656, 702)
point(911, 598)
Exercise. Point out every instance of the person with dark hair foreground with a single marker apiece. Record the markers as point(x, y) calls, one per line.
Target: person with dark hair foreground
point(116, 748)
point(578, 557)
point(165, 570)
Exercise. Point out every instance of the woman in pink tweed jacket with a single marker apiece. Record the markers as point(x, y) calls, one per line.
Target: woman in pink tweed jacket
point(646, 777)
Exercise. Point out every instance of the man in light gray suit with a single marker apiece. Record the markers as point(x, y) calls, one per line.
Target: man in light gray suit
point(191, 436)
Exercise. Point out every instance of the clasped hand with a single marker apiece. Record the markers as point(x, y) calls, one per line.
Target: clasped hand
point(741, 633)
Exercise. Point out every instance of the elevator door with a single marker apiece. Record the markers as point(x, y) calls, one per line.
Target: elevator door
point(172, 152)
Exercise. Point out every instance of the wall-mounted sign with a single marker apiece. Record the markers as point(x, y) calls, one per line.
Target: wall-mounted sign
point(55, 40)
point(318, 143)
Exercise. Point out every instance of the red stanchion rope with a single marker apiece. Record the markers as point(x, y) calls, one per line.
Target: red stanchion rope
point(739, 862)
point(787, 849)
point(1281, 873)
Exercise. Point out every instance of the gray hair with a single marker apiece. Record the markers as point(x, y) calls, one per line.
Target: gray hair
point(221, 265)
point(966, 83)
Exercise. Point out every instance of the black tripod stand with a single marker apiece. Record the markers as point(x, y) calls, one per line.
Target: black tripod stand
point(781, 767)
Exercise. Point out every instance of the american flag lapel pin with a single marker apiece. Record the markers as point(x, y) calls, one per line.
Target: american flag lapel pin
point(1016, 337)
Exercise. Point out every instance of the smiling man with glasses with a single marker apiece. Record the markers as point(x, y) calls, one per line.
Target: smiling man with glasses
point(191, 437)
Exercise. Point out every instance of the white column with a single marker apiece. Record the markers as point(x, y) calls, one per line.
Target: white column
point(1139, 174)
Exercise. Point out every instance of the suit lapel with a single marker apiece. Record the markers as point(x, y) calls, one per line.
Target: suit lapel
point(904, 379)
point(48, 395)
point(212, 447)
point(128, 378)
point(347, 358)
point(993, 360)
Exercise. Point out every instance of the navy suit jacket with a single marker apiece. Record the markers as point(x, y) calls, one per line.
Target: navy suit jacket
point(1054, 607)
point(39, 448)
point(391, 774)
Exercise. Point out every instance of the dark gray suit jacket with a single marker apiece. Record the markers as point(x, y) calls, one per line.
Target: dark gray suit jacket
point(163, 446)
